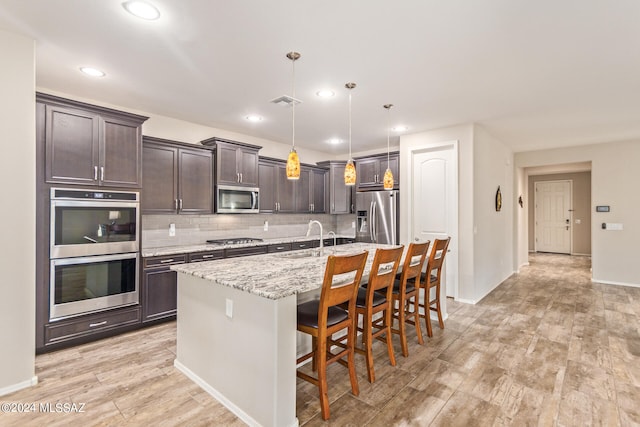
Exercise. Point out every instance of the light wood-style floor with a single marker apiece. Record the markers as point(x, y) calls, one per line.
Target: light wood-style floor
point(547, 347)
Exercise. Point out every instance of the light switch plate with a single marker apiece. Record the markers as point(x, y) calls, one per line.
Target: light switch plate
point(614, 226)
point(229, 308)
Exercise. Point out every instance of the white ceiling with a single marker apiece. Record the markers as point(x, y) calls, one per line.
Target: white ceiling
point(535, 74)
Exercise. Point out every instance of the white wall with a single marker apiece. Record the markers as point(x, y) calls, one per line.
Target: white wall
point(493, 231)
point(17, 253)
point(521, 220)
point(614, 181)
point(463, 134)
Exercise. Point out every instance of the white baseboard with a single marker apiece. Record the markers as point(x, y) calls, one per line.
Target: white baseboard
point(15, 387)
point(577, 254)
point(219, 396)
point(466, 301)
point(608, 282)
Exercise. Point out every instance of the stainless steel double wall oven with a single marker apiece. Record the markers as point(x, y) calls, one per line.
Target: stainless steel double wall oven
point(93, 252)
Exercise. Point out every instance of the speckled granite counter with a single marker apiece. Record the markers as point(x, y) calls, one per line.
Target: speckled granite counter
point(276, 275)
point(236, 328)
point(184, 249)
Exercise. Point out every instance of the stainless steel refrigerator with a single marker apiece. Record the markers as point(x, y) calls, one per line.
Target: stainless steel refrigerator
point(377, 216)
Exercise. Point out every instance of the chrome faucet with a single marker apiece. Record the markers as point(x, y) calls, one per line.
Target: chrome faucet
point(311, 222)
point(334, 237)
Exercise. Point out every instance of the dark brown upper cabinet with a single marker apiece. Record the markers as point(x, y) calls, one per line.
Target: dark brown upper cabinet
point(236, 162)
point(90, 145)
point(370, 171)
point(176, 178)
point(340, 195)
point(282, 195)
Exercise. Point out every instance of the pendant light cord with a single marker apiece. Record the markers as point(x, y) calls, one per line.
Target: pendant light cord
point(349, 124)
point(293, 104)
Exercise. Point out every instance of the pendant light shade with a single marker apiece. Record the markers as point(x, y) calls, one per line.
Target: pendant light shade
point(387, 180)
point(293, 161)
point(350, 168)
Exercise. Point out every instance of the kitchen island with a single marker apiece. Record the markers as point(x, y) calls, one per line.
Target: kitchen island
point(236, 333)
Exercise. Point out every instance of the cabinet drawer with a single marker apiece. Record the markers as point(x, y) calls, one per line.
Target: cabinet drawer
point(305, 245)
point(206, 256)
point(87, 325)
point(346, 240)
point(280, 247)
point(161, 261)
point(253, 250)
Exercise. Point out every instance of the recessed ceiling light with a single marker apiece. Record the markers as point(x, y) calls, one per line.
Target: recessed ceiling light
point(325, 93)
point(400, 128)
point(254, 118)
point(142, 9)
point(335, 141)
point(93, 72)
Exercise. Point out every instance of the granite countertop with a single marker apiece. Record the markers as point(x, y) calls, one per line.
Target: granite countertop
point(275, 275)
point(185, 249)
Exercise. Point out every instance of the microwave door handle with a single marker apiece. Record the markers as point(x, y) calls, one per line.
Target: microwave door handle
point(254, 200)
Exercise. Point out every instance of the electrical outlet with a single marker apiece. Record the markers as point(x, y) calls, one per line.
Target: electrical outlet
point(229, 308)
point(266, 226)
point(172, 230)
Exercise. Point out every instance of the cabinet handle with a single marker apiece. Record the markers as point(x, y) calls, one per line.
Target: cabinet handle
point(101, 173)
point(207, 256)
point(164, 261)
point(279, 248)
point(176, 204)
point(180, 204)
point(240, 176)
point(93, 325)
point(237, 176)
point(95, 173)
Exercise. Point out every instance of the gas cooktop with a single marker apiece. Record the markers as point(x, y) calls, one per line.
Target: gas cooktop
point(233, 241)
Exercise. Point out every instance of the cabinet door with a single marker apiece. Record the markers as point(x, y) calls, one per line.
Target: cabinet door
point(319, 190)
point(227, 164)
point(120, 164)
point(340, 194)
point(159, 294)
point(72, 146)
point(302, 197)
point(159, 179)
point(285, 189)
point(248, 166)
point(367, 171)
point(267, 197)
point(195, 181)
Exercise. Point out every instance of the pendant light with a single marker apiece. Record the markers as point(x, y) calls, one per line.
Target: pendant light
point(293, 161)
point(387, 180)
point(350, 168)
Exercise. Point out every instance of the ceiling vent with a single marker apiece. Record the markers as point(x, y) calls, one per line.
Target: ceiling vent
point(286, 100)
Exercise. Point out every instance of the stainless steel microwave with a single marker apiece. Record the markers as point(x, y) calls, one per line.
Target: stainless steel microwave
point(232, 199)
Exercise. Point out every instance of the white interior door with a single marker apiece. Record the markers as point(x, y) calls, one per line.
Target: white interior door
point(553, 216)
point(434, 213)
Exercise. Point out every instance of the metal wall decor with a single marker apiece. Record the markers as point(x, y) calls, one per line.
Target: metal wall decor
point(498, 200)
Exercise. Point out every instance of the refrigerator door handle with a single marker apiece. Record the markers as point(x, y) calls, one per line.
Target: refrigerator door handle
point(374, 220)
point(371, 222)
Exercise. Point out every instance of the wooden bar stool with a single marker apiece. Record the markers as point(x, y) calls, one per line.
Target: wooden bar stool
point(323, 318)
point(369, 303)
point(431, 279)
point(406, 292)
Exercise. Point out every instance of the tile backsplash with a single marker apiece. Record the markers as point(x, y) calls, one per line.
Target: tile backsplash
point(196, 229)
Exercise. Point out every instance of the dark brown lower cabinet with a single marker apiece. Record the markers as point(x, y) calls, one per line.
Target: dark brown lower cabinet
point(90, 327)
point(159, 289)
